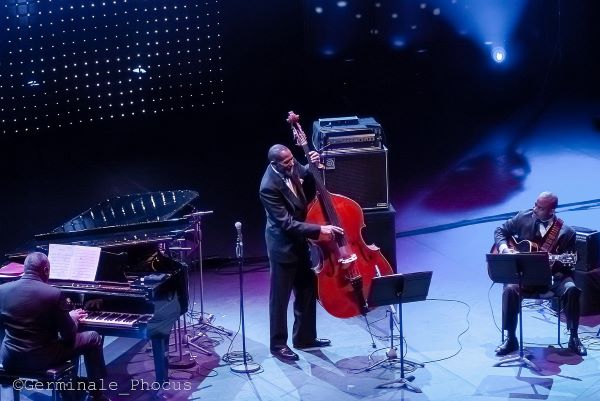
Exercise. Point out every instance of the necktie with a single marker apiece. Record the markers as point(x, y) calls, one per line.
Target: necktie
point(290, 185)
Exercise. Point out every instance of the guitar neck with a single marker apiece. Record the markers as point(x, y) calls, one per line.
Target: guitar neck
point(569, 258)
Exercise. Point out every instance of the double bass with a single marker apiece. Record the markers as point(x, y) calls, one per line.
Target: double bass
point(346, 265)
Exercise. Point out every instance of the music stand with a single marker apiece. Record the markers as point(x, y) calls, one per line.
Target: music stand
point(524, 269)
point(196, 220)
point(399, 289)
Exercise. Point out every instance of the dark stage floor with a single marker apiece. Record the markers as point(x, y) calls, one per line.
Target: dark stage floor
point(454, 332)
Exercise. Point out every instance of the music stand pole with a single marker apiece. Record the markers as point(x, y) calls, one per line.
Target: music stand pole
point(198, 231)
point(182, 361)
point(521, 359)
point(404, 381)
point(245, 366)
point(398, 289)
point(391, 354)
point(406, 361)
point(197, 219)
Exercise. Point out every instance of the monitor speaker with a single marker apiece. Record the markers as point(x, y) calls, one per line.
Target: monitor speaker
point(588, 248)
point(360, 174)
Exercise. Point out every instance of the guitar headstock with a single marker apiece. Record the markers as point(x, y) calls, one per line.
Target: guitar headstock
point(299, 136)
point(568, 259)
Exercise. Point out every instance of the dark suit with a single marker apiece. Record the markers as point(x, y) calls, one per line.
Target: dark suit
point(33, 314)
point(524, 226)
point(285, 235)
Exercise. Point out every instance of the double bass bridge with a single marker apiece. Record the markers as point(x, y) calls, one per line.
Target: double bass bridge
point(345, 262)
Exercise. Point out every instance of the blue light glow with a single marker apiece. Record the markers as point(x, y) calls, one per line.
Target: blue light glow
point(499, 54)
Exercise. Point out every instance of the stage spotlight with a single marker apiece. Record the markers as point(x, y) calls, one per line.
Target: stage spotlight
point(498, 54)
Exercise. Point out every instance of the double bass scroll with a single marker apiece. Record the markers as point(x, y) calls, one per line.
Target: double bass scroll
point(346, 266)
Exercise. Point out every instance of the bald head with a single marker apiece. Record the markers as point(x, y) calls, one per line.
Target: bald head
point(281, 159)
point(549, 197)
point(545, 205)
point(37, 263)
point(277, 152)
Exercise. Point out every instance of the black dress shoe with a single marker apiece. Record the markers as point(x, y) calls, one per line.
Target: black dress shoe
point(285, 354)
point(316, 343)
point(577, 347)
point(510, 345)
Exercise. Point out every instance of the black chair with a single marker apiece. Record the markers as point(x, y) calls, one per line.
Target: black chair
point(64, 373)
point(553, 300)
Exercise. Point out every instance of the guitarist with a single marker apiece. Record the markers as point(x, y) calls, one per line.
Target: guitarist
point(541, 226)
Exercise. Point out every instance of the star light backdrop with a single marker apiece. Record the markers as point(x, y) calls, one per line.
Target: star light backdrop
point(64, 62)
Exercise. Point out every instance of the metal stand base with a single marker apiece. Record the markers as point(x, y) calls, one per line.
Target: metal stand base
point(207, 325)
point(392, 358)
point(403, 382)
point(245, 367)
point(182, 359)
point(190, 343)
point(520, 360)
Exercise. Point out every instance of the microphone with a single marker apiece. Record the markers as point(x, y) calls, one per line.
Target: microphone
point(239, 246)
point(238, 227)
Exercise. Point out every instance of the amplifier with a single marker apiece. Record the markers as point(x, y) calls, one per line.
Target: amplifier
point(355, 140)
point(380, 229)
point(588, 248)
point(347, 133)
point(360, 174)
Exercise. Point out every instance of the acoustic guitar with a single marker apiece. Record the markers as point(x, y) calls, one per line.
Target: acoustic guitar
point(567, 259)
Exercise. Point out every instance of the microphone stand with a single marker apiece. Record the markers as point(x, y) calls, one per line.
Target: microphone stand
point(246, 366)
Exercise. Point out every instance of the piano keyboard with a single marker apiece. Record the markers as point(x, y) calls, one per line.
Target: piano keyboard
point(115, 319)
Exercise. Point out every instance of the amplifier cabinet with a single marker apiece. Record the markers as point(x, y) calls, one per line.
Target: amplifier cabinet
point(381, 230)
point(360, 174)
point(588, 248)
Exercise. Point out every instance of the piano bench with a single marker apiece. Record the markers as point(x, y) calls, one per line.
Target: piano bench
point(50, 378)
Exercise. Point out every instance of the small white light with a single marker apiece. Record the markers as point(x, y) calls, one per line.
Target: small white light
point(498, 54)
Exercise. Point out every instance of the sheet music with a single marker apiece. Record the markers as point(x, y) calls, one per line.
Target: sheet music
point(73, 262)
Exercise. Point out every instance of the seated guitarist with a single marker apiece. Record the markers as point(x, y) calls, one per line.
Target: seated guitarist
point(547, 233)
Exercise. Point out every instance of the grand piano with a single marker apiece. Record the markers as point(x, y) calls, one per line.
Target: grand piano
point(139, 290)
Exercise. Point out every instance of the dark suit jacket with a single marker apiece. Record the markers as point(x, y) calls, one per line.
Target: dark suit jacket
point(523, 227)
point(32, 314)
point(286, 231)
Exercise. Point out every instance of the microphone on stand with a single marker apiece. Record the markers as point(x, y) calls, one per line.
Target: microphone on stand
point(238, 227)
point(239, 252)
point(244, 366)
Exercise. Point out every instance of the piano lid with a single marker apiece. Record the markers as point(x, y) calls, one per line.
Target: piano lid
point(150, 209)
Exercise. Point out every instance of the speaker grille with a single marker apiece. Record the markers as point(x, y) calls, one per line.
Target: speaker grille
point(588, 248)
point(381, 230)
point(361, 175)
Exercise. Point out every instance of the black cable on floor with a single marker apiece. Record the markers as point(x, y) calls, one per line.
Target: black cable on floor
point(459, 335)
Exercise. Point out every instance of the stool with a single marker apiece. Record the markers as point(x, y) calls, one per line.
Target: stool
point(57, 374)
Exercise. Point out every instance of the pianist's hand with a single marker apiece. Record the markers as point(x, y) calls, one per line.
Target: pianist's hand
point(77, 314)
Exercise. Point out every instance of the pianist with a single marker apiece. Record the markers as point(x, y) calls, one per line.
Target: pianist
point(41, 331)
